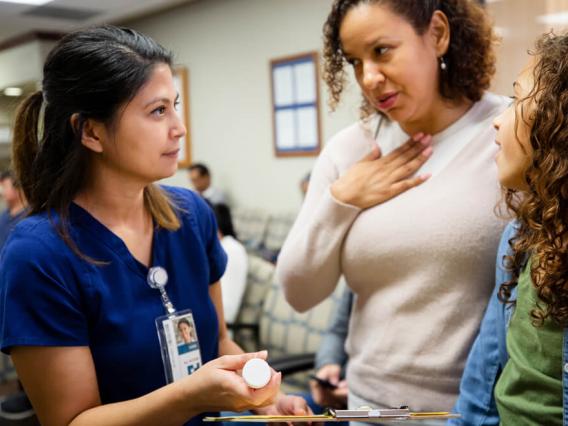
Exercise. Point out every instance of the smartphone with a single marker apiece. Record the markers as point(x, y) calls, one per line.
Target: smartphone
point(323, 382)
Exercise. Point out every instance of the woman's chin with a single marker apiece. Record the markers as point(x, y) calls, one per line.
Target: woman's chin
point(395, 114)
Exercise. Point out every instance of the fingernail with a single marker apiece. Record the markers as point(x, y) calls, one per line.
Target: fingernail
point(427, 152)
point(425, 176)
point(418, 136)
point(426, 140)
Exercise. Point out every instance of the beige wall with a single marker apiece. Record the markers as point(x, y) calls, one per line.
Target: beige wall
point(517, 21)
point(227, 45)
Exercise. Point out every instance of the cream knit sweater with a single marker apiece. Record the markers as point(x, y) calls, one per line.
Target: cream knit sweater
point(421, 264)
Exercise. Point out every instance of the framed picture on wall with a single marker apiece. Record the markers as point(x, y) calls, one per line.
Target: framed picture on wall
point(295, 105)
point(181, 83)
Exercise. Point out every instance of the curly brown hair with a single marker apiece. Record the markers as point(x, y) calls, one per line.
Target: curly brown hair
point(542, 211)
point(470, 56)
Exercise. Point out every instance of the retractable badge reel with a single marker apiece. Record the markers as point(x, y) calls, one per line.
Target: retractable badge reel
point(176, 332)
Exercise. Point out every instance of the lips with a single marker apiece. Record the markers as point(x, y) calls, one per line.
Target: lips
point(387, 101)
point(173, 153)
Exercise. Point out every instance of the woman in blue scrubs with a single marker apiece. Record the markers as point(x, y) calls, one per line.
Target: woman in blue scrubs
point(78, 315)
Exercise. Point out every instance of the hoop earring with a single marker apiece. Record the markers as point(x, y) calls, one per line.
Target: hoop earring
point(443, 65)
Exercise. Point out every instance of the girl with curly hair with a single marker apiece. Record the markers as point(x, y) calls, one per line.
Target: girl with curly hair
point(515, 371)
point(401, 202)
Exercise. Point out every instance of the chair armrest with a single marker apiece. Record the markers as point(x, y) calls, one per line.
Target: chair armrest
point(242, 326)
point(291, 364)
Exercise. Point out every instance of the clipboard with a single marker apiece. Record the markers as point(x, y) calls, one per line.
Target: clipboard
point(367, 415)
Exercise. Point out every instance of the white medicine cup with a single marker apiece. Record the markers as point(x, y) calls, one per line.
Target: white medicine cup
point(256, 373)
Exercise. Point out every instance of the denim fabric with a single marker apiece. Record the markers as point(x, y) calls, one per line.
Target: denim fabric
point(488, 355)
point(332, 346)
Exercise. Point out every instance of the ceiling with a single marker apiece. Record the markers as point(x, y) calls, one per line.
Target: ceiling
point(66, 15)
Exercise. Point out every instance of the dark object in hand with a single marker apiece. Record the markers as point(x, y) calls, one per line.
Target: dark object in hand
point(323, 382)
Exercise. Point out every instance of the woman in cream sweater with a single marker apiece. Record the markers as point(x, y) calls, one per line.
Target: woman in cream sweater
point(401, 203)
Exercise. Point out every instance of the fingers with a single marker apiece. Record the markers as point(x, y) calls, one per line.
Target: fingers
point(318, 395)
point(340, 393)
point(266, 395)
point(342, 390)
point(237, 362)
point(299, 407)
point(330, 372)
point(406, 184)
point(317, 392)
point(374, 154)
point(421, 148)
point(410, 167)
point(410, 143)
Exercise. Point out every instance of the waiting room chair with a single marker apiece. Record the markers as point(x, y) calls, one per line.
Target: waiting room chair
point(250, 225)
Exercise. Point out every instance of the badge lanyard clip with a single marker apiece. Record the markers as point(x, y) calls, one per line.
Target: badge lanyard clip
point(157, 279)
point(181, 355)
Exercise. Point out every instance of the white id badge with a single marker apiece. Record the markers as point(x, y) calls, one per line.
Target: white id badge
point(179, 344)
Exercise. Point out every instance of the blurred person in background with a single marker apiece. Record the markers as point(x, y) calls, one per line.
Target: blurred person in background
point(331, 358)
point(234, 280)
point(200, 178)
point(15, 205)
point(304, 183)
point(16, 406)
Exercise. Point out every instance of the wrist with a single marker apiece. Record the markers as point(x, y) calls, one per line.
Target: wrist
point(186, 398)
point(338, 193)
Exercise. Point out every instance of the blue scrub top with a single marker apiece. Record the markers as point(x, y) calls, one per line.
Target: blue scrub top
point(51, 297)
point(7, 223)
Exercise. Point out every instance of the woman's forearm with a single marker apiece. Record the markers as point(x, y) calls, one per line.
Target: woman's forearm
point(228, 346)
point(171, 405)
point(308, 266)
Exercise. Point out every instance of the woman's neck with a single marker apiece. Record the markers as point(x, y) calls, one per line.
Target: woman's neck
point(442, 114)
point(114, 204)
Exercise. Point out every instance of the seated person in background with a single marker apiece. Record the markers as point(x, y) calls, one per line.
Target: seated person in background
point(18, 404)
point(304, 184)
point(15, 205)
point(201, 180)
point(331, 359)
point(234, 280)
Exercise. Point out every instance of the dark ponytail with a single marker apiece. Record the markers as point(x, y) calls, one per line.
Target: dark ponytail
point(26, 141)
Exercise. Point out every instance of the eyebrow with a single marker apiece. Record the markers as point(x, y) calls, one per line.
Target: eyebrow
point(165, 100)
point(378, 40)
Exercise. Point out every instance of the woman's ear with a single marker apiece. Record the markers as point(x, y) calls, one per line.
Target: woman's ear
point(92, 133)
point(440, 32)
